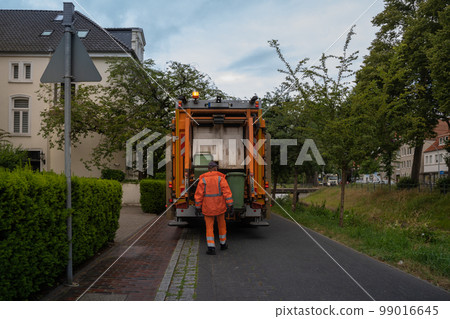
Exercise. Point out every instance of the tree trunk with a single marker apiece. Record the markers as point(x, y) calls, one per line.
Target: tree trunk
point(417, 160)
point(274, 186)
point(341, 208)
point(295, 195)
point(311, 179)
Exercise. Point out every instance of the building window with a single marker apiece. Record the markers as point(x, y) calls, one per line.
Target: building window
point(46, 33)
point(82, 33)
point(15, 71)
point(35, 158)
point(20, 72)
point(20, 115)
point(27, 70)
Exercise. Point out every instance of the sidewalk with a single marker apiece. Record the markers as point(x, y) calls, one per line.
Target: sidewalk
point(134, 275)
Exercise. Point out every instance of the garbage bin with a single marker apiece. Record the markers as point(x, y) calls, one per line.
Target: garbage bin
point(236, 181)
point(201, 161)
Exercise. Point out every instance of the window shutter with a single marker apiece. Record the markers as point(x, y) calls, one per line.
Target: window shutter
point(27, 71)
point(25, 122)
point(16, 122)
point(21, 103)
point(15, 71)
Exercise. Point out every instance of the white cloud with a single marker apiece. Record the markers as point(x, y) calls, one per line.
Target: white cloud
point(228, 39)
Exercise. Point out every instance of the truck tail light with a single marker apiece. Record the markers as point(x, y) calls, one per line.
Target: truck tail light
point(170, 184)
point(267, 185)
point(257, 104)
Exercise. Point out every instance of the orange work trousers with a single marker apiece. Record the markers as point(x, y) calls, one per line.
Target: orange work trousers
point(222, 225)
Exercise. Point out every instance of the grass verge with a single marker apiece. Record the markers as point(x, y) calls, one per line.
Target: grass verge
point(406, 229)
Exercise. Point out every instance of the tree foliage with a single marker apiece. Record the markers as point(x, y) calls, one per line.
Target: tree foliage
point(404, 79)
point(11, 157)
point(137, 96)
point(327, 110)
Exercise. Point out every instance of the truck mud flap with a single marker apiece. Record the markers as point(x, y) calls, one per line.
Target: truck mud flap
point(259, 223)
point(178, 223)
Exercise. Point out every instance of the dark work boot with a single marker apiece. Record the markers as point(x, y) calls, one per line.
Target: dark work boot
point(224, 246)
point(211, 251)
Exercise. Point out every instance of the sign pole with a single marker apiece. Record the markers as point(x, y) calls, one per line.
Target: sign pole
point(70, 63)
point(67, 23)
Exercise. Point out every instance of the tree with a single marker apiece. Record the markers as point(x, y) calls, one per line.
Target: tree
point(285, 120)
point(404, 79)
point(332, 115)
point(137, 96)
point(272, 105)
point(375, 91)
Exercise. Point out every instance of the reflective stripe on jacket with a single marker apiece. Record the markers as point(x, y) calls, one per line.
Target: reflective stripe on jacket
point(213, 194)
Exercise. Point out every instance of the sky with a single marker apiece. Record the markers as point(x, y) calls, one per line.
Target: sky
point(228, 40)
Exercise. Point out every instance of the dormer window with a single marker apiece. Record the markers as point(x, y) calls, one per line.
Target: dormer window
point(46, 33)
point(82, 33)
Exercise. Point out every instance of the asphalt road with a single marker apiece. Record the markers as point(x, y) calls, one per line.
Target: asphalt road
point(281, 262)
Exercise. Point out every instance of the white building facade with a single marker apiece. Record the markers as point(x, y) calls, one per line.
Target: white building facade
point(28, 38)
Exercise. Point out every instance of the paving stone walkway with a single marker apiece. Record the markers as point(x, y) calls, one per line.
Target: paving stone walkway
point(135, 275)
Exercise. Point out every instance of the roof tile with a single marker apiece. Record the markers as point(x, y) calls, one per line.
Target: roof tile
point(20, 32)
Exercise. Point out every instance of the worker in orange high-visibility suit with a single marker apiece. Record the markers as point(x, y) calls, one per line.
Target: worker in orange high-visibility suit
point(213, 198)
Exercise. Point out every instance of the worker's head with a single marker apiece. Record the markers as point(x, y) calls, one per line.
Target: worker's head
point(212, 166)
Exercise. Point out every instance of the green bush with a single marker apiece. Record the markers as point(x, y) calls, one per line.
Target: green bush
point(443, 184)
point(153, 195)
point(95, 218)
point(406, 183)
point(33, 230)
point(113, 174)
point(12, 157)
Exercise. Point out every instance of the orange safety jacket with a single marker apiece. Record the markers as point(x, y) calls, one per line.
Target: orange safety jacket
point(213, 194)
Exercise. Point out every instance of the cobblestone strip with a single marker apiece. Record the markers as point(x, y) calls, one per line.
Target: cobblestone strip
point(165, 283)
point(184, 279)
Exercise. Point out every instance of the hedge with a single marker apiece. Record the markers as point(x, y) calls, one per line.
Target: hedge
point(153, 196)
point(443, 184)
point(406, 182)
point(33, 230)
point(114, 174)
point(12, 157)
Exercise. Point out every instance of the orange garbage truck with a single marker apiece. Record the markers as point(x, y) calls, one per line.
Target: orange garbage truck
point(231, 133)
